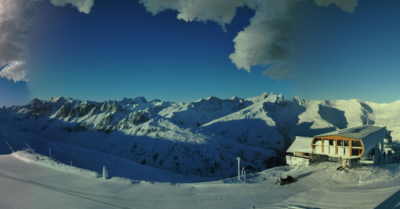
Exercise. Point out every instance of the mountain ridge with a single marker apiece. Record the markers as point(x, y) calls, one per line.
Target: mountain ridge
point(196, 138)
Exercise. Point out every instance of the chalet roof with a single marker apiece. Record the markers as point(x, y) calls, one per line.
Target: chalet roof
point(301, 144)
point(359, 132)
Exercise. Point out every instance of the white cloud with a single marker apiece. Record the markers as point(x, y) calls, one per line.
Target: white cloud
point(16, 71)
point(82, 5)
point(15, 22)
point(280, 71)
point(268, 38)
point(345, 5)
point(220, 11)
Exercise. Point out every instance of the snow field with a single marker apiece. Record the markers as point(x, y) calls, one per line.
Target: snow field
point(317, 186)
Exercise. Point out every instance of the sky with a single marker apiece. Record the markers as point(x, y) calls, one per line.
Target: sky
point(182, 51)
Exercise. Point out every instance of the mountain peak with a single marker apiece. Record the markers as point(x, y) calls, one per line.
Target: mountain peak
point(235, 98)
point(35, 101)
point(140, 100)
point(155, 101)
point(259, 98)
point(212, 97)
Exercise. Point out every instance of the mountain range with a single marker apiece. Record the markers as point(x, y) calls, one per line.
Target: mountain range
point(201, 138)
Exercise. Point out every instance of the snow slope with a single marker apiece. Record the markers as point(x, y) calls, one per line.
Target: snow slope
point(200, 138)
point(35, 184)
point(83, 160)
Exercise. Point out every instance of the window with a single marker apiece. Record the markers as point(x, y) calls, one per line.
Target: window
point(331, 142)
point(339, 142)
point(356, 143)
point(355, 152)
point(346, 143)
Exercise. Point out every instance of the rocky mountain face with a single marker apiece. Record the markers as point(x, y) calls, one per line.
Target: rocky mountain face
point(197, 138)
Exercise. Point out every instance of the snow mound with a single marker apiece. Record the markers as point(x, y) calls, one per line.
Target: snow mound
point(51, 162)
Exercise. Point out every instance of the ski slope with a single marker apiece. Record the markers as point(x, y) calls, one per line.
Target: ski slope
point(54, 183)
point(26, 183)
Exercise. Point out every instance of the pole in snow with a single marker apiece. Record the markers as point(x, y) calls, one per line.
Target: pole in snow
point(105, 172)
point(245, 177)
point(36, 158)
point(238, 158)
point(10, 147)
point(387, 158)
point(273, 161)
point(376, 156)
point(381, 152)
point(242, 171)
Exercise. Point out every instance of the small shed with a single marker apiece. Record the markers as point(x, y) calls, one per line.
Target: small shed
point(301, 147)
point(301, 150)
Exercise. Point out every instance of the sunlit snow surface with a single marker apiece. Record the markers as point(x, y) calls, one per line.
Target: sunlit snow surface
point(44, 183)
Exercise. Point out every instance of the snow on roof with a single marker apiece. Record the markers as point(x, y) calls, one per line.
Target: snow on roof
point(301, 144)
point(359, 132)
point(370, 135)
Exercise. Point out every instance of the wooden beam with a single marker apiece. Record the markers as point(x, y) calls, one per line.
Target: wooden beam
point(322, 144)
point(335, 146)
point(351, 148)
point(336, 138)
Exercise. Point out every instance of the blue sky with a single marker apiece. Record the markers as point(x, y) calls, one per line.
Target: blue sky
point(121, 50)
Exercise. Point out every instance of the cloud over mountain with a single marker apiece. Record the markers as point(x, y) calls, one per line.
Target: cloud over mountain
point(15, 22)
point(82, 5)
point(15, 71)
point(268, 38)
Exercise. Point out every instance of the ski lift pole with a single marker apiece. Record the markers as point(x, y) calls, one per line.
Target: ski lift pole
point(238, 158)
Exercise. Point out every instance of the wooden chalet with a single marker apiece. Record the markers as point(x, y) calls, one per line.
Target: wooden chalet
point(356, 145)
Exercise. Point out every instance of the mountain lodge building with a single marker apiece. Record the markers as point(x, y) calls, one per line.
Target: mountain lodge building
point(357, 145)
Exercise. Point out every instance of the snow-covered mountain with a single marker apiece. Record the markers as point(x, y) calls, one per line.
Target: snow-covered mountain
point(198, 138)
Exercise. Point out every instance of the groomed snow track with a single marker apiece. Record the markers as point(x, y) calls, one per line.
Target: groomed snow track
point(68, 192)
